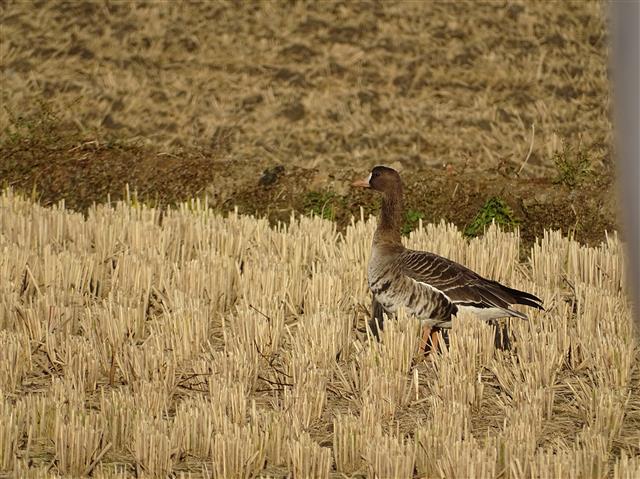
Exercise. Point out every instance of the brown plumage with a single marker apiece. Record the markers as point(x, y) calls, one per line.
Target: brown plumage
point(427, 285)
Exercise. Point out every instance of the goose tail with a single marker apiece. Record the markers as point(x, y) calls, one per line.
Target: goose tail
point(522, 297)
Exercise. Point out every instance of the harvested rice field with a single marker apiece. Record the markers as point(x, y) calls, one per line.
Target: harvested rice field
point(142, 342)
point(182, 280)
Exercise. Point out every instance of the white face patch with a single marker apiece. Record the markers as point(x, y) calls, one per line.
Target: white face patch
point(369, 178)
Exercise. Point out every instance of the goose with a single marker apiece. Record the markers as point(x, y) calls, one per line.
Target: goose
point(429, 286)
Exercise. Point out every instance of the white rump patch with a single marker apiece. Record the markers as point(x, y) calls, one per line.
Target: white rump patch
point(487, 314)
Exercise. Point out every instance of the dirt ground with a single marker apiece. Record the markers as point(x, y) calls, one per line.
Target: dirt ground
point(274, 107)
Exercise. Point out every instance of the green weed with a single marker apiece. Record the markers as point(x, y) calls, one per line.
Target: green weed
point(494, 210)
point(320, 203)
point(573, 165)
point(412, 218)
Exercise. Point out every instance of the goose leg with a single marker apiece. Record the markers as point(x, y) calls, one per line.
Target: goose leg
point(376, 323)
point(425, 339)
point(434, 339)
point(501, 335)
point(429, 339)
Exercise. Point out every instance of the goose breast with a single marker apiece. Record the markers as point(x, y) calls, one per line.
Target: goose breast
point(393, 289)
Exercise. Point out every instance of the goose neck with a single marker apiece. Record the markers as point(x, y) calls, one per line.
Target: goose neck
point(390, 221)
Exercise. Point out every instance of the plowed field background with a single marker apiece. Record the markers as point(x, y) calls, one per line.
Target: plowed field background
point(470, 100)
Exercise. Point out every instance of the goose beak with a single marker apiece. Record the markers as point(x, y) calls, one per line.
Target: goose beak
point(362, 183)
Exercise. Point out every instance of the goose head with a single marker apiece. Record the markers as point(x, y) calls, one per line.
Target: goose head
point(383, 179)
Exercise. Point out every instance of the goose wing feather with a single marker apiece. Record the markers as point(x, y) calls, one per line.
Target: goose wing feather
point(461, 285)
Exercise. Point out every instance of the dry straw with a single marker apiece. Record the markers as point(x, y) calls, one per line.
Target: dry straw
point(275, 425)
point(8, 435)
point(225, 347)
point(79, 443)
point(194, 427)
point(120, 410)
point(238, 451)
point(305, 401)
point(390, 456)
point(15, 360)
point(150, 446)
point(348, 443)
point(309, 459)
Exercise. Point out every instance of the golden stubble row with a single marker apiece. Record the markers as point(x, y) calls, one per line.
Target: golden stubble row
point(139, 341)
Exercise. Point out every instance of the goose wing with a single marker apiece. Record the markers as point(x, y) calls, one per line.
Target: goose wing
point(461, 285)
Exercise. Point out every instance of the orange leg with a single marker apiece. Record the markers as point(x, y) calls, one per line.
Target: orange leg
point(434, 339)
point(429, 339)
point(425, 339)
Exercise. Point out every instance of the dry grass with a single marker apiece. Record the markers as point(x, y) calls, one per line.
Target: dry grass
point(321, 85)
point(149, 343)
